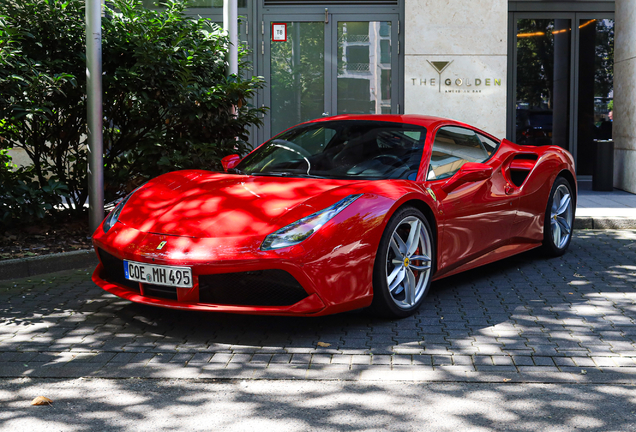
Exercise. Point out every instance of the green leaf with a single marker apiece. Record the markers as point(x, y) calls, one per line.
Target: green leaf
point(157, 65)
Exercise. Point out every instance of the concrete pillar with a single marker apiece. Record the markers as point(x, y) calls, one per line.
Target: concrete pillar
point(624, 131)
point(456, 61)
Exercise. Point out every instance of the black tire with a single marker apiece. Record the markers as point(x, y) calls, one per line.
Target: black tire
point(558, 227)
point(420, 263)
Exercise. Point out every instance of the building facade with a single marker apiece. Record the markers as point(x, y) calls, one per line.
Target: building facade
point(536, 72)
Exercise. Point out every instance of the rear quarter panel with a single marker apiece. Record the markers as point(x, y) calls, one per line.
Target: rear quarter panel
point(534, 193)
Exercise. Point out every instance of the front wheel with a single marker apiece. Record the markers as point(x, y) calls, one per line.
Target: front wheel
point(404, 265)
point(559, 218)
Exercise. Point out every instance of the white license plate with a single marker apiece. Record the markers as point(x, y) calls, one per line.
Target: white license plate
point(158, 274)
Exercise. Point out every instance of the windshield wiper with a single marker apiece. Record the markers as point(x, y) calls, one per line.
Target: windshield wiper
point(235, 171)
point(286, 174)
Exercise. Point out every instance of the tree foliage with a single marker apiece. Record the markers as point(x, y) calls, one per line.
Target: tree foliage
point(167, 102)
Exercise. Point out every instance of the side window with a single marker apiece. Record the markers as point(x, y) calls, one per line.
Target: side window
point(489, 144)
point(452, 148)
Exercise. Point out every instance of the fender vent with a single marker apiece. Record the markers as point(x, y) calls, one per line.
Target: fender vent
point(254, 288)
point(520, 167)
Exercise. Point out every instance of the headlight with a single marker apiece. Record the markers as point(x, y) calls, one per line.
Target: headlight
point(114, 215)
point(303, 228)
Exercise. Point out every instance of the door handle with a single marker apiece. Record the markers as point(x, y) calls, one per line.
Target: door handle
point(509, 189)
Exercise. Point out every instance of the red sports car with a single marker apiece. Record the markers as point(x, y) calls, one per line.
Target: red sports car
point(337, 214)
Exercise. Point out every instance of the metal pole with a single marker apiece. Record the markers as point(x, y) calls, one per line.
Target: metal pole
point(296, 72)
point(94, 112)
point(230, 25)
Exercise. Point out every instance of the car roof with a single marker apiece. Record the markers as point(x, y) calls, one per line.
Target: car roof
point(429, 122)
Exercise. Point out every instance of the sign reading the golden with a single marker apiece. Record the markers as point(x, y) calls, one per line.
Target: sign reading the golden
point(456, 84)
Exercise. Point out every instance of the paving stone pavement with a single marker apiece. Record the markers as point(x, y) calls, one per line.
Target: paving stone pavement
point(526, 318)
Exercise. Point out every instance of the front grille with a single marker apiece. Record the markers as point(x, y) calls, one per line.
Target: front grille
point(253, 288)
point(160, 291)
point(114, 270)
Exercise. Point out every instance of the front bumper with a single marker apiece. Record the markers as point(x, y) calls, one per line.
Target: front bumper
point(311, 305)
point(330, 272)
point(327, 283)
point(265, 291)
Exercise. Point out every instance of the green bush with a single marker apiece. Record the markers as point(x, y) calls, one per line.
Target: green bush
point(42, 107)
point(21, 198)
point(168, 73)
point(166, 98)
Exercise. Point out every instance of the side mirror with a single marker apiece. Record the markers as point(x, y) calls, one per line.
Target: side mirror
point(230, 161)
point(469, 172)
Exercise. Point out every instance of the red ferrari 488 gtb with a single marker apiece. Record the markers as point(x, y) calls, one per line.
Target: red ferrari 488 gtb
point(337, 214)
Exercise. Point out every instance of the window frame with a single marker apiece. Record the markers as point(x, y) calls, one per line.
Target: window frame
point(328, 124)
point(475, 131)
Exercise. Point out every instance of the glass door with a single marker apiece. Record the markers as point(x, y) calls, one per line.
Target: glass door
point(595, 88)
point(542, 111)
point(562, 88)
point(295, 52)
point(321, 65)
point(366, 66)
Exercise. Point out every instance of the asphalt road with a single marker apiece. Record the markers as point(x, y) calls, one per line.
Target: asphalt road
point(162, 405)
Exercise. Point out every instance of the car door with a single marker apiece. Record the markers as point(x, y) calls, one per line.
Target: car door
point(476, 216)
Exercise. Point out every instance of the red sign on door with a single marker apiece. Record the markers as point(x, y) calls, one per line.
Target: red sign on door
point(279, 32)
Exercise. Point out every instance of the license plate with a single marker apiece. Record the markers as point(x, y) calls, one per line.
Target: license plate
point(180, 277)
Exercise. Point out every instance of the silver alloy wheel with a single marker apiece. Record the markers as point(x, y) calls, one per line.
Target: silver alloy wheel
point(561, 215)
point(408, 262)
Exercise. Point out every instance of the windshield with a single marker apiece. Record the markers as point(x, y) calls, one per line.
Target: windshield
point(341, 149)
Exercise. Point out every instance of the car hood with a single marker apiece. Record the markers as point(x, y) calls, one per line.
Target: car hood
point(205, 204)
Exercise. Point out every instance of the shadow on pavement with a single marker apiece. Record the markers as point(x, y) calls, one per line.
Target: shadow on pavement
point(113, 405)
point(578, 305)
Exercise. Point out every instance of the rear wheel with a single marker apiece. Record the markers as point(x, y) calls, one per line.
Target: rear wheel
point(559, 218)
point(403, 266)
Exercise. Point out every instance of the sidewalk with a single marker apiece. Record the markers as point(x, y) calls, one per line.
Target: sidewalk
point(325, 406)
point(604, 210)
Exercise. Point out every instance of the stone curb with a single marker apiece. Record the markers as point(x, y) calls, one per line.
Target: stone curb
point(32, 266)
point(614, 375)
point(605, 223)
point(78, 364)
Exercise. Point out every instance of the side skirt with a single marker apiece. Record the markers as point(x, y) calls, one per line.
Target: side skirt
point(495, 255)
